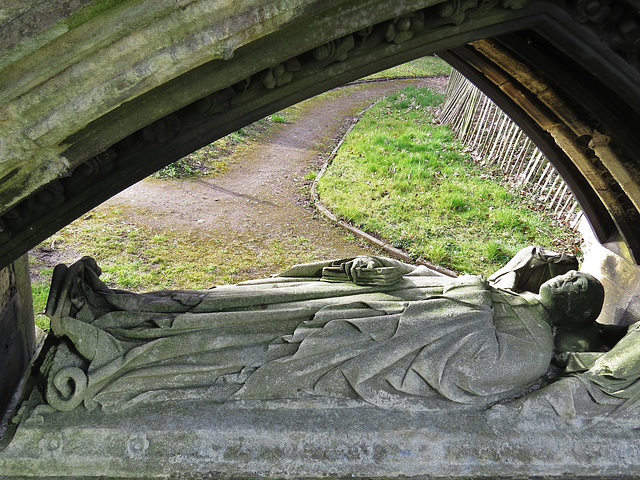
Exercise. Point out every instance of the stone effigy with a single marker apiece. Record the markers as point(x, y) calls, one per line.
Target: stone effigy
point(363, 366)
point(370, 328)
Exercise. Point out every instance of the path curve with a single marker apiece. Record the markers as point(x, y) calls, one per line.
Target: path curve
point(265, 194)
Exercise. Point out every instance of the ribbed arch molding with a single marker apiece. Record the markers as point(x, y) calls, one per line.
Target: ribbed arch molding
point(96, 95)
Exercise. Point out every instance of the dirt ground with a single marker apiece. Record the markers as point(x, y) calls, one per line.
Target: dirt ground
point(265, 194)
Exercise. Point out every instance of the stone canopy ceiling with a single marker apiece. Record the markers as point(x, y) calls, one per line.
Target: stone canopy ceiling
point(95, 94)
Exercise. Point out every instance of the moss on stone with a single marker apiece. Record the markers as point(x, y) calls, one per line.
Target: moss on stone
point(91, 10)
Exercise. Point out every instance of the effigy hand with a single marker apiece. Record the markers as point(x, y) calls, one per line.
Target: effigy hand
point(362, 271)
point(357, 268)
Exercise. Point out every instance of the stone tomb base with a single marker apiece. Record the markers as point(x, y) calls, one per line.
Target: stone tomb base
point(314, 440)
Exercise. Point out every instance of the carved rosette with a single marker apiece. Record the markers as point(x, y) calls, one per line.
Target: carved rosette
point(137, 445)
point(614, 22)
point(51, 443)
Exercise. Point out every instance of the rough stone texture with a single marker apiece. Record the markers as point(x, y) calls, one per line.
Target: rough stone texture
point(17, 333)
point(77, 77)
point(335, 440)
point(181, 428)
point(619, 275)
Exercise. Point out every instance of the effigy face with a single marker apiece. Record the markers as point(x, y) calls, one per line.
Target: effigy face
point(364, 365)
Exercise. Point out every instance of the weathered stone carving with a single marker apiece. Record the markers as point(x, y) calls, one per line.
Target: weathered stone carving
point(167, 128)
point(90, 170)
point(338, 50)
point(614, 21)
point(162, 130)
point(455, 10)
point(401, 29)
point(218, 102)
point(595, 11)
point(369, 329)
point(281, 74)
point(47, 197)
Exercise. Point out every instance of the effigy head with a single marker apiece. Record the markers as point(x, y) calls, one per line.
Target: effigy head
point(574, 299)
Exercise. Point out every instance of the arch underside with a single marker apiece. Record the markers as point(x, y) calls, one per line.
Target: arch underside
point(568, 77)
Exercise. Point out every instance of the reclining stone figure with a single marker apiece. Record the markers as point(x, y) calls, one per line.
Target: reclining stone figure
point(370, 329)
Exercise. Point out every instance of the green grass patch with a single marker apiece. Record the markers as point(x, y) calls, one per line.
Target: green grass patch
point(421, 67)
point(138, 258)
point(216, 157)
point(40, 293)
point(402, 177)
point(277, 118)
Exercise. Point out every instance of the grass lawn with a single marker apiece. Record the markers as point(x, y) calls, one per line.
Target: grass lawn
point(402, 177)
point(421, 67)
point(139, 258)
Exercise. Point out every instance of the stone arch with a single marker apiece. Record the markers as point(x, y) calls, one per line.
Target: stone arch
point(97, 95)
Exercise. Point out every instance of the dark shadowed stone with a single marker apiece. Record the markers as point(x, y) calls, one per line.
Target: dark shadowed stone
point(17, 334)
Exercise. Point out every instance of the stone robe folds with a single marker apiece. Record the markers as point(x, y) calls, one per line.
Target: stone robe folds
point(417, 342)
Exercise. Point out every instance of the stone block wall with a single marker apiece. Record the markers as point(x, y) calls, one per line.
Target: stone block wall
point(17, 331)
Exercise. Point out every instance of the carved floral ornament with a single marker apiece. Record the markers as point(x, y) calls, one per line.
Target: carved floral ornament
point(595, 11)
point(56, 193)
point(455, 10)
point(614, 21)
point(338, 49)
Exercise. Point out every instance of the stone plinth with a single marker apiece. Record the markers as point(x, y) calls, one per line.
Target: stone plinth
point(316, 440)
